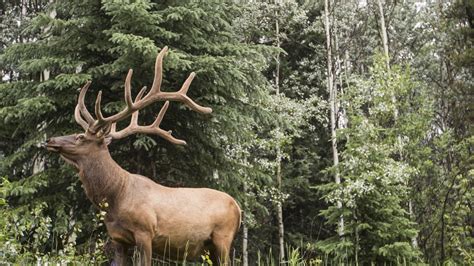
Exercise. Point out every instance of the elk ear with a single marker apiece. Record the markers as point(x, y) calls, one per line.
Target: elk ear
point(107, 140)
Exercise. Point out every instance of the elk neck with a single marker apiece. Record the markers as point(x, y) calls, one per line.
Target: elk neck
point(102, 178)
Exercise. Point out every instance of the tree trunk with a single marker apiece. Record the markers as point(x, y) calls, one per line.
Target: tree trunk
point(281, 229)
point(245, 253)
point(245, 234)
point(383, 33)
point(332, 103)
point(384, 36)
point(356, 249)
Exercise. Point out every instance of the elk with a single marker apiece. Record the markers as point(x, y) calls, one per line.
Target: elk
point(178, 223)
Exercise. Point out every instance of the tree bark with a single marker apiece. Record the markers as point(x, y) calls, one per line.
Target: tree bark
point(281, 229)
point(245, 229)
point(333, 111)
point(245, 253)
point(383, 33)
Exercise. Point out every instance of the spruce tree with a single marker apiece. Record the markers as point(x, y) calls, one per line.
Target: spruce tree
point(100, 41)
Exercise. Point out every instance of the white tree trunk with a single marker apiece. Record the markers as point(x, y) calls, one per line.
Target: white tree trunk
point(281, 229)
point(245, 234)
point(245, 253)
point(383, 33)
point(332, 103)
point(384, 36)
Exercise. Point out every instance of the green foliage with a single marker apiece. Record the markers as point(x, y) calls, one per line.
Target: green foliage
point(25, 233)
point(375, 175)
point(404, 133)
point(79, 41)
point(299, 132)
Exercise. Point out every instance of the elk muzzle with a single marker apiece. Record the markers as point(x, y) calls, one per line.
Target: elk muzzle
point(51, 145)
point(55, 144)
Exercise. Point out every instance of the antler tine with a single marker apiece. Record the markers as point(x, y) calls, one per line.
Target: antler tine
point(134, 119)
point(187, 101)
point(79, 119)
point(140, 94)
point(154, 128)
point(160, 115)
point(113, 128)
point(128, 93)
point(100, 125)
point(167, 135)
point(98, 112)
point(82, 106)
point(156, 86)
point(185, 87)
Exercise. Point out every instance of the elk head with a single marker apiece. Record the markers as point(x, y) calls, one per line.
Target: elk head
point(101, 130)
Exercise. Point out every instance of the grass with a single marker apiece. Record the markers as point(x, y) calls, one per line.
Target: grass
point(295, 257)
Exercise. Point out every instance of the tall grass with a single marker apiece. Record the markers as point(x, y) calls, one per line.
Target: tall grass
point(294, 257)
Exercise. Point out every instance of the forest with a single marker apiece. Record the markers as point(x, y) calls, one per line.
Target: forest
point(343, 129)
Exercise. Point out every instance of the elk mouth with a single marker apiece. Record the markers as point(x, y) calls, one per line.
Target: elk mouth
point(51, 147)
point(54, 148)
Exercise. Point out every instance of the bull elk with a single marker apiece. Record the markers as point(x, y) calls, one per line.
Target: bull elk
point(184, 222)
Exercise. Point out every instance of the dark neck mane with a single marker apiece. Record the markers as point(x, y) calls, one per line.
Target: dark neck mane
point(103, 179)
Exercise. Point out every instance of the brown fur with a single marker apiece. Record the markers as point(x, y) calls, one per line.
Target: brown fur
point(155, 218)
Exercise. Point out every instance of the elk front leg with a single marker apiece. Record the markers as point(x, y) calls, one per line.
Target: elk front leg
point(143, 242)
point(120, 253)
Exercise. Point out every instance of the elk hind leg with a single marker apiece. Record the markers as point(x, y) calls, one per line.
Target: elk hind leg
point(221, 249)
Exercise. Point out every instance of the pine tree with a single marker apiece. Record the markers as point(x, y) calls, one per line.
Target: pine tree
point(100, 41)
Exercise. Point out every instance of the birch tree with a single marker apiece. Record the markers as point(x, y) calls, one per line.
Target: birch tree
point(332, 103)
point(281, 230)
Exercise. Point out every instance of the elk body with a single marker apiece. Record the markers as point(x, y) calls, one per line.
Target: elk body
point(176, 223)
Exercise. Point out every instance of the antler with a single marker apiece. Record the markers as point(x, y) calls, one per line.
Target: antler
point(107, 125)
point(154, 128)
point(81, 109)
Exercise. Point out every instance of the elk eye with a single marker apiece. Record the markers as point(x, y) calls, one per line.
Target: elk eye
point(80, 137)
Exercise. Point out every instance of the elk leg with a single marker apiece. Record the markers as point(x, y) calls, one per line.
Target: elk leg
point(143, 241)
point(220, 252)
point(120, 253)
point(220, 256)
point(213, 255)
